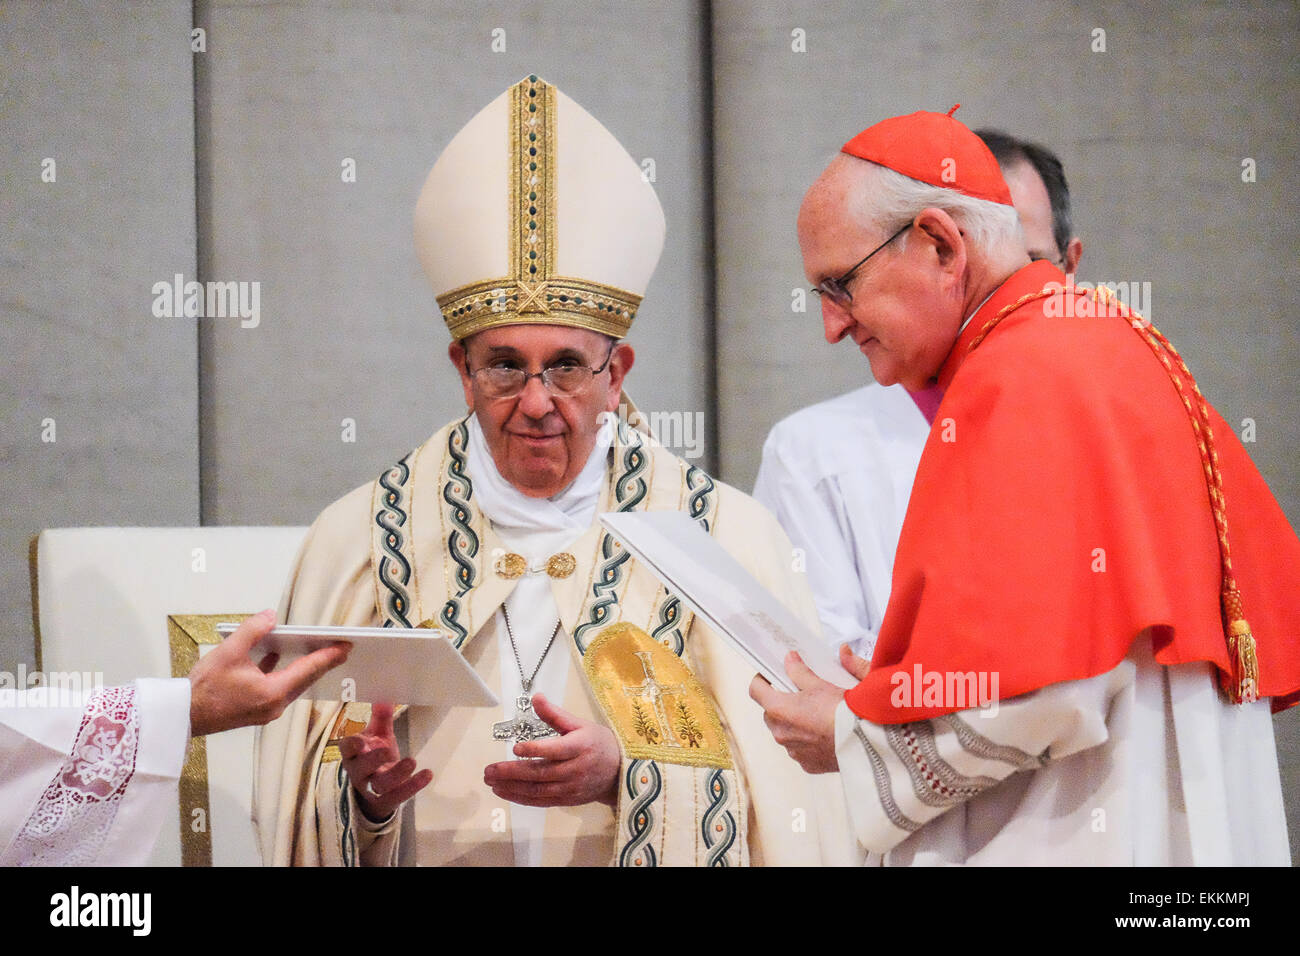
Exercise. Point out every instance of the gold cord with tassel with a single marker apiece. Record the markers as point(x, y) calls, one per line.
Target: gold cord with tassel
point(1243, 684)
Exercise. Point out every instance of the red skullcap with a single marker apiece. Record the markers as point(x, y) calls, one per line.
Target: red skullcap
point(933, 148)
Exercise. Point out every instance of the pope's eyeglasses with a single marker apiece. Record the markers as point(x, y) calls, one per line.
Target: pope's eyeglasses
point(505, 381)
point(837, 289)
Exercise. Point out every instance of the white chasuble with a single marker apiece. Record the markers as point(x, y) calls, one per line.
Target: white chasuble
point(702, 781)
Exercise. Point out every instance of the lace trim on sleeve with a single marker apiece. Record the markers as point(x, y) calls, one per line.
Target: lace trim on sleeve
point(73, 816)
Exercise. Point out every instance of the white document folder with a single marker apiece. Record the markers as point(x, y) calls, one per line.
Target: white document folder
point(721, 592)
point(397, 665)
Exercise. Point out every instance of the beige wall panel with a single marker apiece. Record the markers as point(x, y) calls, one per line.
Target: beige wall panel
point(105, 91)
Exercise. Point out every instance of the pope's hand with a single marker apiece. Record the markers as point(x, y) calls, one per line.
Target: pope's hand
point(228, 690)
point(804, 722)
point(382, 778)
point(580, 766)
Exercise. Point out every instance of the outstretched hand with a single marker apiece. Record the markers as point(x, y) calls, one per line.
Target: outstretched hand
point(228, 690)
point(804, 722)
point(382, 778)
point(580, 766)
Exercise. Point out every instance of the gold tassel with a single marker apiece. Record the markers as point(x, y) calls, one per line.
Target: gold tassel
point(1241, 652)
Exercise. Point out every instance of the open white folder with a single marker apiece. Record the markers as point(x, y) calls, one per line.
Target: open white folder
point(724, 595)
point(398, 665)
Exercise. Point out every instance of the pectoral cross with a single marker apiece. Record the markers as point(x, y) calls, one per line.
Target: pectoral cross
point(525, 725)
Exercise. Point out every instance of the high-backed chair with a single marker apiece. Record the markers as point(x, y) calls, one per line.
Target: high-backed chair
point(143, 602)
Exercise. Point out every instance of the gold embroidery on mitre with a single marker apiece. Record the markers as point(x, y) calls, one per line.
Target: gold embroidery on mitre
point(531, 298)
point(568, 301)
point(532, 293)
point(532, 179)
point(655, 704)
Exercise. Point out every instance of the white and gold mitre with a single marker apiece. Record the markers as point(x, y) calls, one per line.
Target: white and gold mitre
point(535, 213)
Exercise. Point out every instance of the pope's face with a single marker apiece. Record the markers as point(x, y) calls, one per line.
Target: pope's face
point(538, 440)
point(904, 315)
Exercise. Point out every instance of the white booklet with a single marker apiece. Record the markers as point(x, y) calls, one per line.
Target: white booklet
point(721, 592)
point(399, 665)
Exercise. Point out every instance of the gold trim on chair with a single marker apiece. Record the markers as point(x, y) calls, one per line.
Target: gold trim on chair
point(33, 571)
point(186, 633)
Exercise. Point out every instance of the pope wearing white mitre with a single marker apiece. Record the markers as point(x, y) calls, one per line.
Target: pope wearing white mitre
point(539, 235)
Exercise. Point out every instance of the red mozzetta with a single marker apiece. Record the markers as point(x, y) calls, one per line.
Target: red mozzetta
point(1061, 510)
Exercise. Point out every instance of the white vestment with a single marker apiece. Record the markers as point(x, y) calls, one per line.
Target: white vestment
point(440, 536)
point(1145, 765)
point(838, 475)
point(86, 777)
point(536, 529)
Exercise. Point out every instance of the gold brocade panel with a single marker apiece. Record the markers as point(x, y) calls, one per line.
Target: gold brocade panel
point(655, 704)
